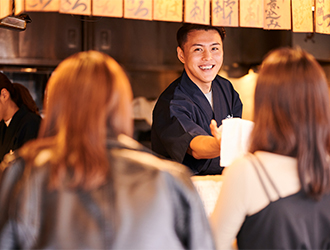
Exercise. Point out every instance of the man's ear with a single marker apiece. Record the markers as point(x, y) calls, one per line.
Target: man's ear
point(180, 54)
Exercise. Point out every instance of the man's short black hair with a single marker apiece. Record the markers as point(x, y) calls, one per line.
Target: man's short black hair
point(181, 35)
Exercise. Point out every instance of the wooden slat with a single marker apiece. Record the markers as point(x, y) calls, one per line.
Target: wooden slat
point(42, 5)
point(322, 16)
point(5, 8)
point(252, 13)
point(302, 16)
point(225, 13)
point(110, 8)
point(77, 7)
point(168, 10)
point(19, 7)
point(277, 15)
point(197, 11)
point(135, 9)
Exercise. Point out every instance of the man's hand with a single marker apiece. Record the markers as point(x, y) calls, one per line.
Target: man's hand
point(216, 131)
point(205, 146)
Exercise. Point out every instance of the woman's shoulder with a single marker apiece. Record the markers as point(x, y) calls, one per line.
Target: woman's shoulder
point(149, 162)
point(277, 167)
point(242, 166)
point(257, 174)
point(16, 177)
point(133, 158)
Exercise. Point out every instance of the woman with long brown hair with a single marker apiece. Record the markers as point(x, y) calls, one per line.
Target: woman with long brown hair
point(277, 196)
point(19, 117)
point(85, 184)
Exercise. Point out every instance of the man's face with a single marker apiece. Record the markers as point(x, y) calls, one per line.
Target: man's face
point(202, 56)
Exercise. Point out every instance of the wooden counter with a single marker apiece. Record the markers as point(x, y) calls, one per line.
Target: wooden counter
point(208, 187)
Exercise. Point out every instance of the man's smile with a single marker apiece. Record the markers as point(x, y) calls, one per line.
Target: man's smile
point(206, 67)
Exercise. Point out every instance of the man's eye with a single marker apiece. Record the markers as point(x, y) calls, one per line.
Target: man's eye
point(215, 48)
point(198, 49)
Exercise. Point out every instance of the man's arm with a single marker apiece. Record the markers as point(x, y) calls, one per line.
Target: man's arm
point(205, 146)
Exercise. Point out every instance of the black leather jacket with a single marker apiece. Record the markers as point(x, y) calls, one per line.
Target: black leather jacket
point(149, 204)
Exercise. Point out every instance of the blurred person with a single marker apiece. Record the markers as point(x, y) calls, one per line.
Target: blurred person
point(85, 184)
point(277, 196)
point(19, 117)
point(187, 114)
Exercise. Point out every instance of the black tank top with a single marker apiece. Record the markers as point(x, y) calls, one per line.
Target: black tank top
point(292, 222)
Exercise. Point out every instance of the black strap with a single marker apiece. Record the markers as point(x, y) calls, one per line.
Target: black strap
point(260, 179)
point(267, 175)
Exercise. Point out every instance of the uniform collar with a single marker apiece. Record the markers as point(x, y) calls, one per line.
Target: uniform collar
point(196, 94)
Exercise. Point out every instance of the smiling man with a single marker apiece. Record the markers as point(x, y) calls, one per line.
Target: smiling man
point(187, 114)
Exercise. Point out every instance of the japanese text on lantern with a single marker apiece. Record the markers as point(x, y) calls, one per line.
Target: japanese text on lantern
point(302, 16)
point(42, 5)
point(197, 11)
point(111, 8)
point(322, 16)
point(5, 8)
point(277, 14)
point(79, 7)
point(138, 9)
point(252, 13)
point(168, 10)
point(225, 13)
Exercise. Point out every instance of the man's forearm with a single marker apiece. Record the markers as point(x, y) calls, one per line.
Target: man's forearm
point(204, 147)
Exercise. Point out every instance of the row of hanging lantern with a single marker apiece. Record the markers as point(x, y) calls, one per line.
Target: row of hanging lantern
point(295, 15)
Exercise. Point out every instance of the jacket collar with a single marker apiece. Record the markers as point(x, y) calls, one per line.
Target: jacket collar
point(196, 94)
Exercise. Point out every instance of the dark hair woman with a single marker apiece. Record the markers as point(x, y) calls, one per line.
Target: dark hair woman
point(85, 184)
point(277, 197)
point(19, 116)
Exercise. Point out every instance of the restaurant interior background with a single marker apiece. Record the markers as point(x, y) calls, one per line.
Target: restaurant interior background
point(146, 50)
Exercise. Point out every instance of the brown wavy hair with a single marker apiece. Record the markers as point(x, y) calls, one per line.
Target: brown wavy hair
point(88, 98)
point(292, 115)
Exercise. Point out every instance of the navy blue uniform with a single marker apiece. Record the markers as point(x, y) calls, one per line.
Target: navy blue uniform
point(23, 127)
point(183, 112)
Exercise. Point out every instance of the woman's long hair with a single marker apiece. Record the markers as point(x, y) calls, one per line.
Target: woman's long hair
point(292, 115)
point(19, 94)
point(88, 98)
